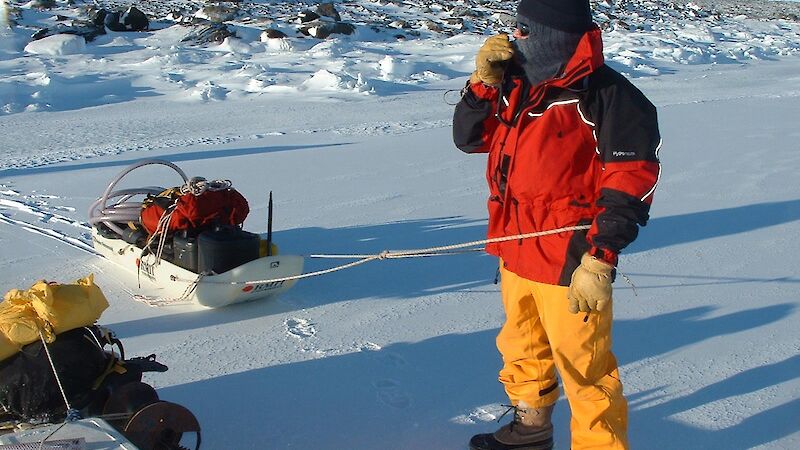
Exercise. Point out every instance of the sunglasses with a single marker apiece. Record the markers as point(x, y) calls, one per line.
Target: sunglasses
point(524, 30)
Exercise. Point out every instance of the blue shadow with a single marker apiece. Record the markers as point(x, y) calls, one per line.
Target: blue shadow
point(637, 339)
point(411, 278)
point(657, 424)
point(397, 278)
point(406, 395)
point(401, 396)
point(174, 157)
point(691, 227)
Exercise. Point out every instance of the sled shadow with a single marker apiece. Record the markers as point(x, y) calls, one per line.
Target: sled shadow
point(691, 227)
point(402, 396)
point(438, 392)
point(415, 277)
point(396, 278)
point(172, 157)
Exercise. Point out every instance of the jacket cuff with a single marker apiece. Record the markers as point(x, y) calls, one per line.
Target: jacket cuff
point(482, 90)
point(604, 254)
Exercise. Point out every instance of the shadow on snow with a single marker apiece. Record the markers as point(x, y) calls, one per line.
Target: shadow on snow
point(415, 277)
point(173, 157)
point(411, 392)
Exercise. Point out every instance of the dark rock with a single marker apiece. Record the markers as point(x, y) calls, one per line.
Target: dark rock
point(97, 16)
point(327, 10)
point(344, 28)
point(506, 20)
point(87, 30)
point(307, 16)
point(131, 20)
point(175, 15)
point(219, 13)
point(322, 30)
point(463, 11)
point(208, 33)
point(399, 24)
point(43, 4)
point(136, 20)
point(274, 34)
point(431, 25)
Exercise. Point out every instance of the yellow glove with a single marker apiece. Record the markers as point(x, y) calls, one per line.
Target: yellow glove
point(490, 62)
point(590, 287)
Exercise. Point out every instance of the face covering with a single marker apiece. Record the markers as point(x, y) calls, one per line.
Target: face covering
point(545, 52)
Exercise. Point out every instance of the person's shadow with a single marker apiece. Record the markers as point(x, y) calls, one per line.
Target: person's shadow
point(438, 392)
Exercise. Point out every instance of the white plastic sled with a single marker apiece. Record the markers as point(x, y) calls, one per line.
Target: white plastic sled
point(80, 435)
point(171, 282)
point(166, 282)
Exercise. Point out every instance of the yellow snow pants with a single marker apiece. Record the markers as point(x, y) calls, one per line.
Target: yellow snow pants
point(541, 336)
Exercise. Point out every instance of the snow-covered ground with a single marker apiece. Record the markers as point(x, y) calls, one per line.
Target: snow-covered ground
point(352, 135)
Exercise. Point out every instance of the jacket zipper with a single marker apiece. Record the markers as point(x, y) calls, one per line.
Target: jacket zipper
point(515, 202)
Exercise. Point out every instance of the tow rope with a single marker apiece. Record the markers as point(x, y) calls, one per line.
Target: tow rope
point(397, 254)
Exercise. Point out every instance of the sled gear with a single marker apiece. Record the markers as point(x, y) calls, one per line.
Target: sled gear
point(89, 374)
point(223, 248)
point(161, 425)
point(567, 15)
point(194, 212)
point(49, 308)
point(544, 52)
point(28, 388)
point(491, 60)
point(266, 248)
point(540, 335)
point(575, 150)
point(590, 288)
point(179, 263)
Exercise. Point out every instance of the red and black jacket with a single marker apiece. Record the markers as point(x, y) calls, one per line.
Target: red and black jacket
point(575, 150)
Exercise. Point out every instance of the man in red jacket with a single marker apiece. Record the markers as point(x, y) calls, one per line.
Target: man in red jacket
point(570, 143)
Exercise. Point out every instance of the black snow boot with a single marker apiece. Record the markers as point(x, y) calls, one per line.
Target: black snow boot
point(531, 429)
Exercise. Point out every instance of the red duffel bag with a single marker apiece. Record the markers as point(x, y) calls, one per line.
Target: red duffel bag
point(195, 212)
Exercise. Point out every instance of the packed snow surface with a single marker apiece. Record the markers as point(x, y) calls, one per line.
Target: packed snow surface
point(352, 135)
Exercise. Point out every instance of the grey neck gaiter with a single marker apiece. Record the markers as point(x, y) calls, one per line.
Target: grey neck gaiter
point(545, 52)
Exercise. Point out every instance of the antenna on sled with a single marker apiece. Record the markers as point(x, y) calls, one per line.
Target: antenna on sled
point(269, 225)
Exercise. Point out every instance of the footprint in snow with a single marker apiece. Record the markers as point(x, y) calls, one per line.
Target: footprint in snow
point(390, 394)
point(487, 413)
point(300, 328)
point(393, 358)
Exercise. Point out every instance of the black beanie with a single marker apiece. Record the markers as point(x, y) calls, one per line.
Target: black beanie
point(566, 15)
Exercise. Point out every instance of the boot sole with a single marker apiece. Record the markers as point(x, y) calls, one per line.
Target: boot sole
point(546, 444)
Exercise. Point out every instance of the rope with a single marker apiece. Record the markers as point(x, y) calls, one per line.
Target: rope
point(72, 414)
point(387, 254)
point(198, 185)
point(154, 301)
